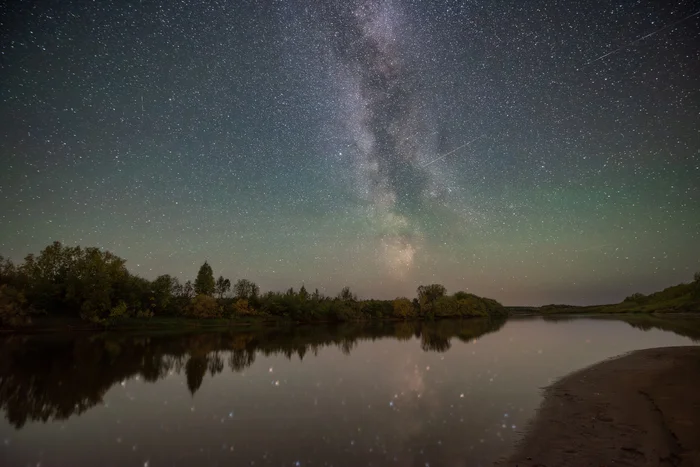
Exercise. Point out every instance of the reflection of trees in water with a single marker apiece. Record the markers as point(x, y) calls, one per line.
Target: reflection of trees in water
point(195, 369)
point(687, 325)
point(434, 342)
point(53, 377)
point(437, 336)
point(240, 359)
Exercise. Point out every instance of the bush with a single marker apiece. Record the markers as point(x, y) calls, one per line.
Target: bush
point(14, 310)
point(119, 312)
point(402, 308)
point(204, 306)
point(636, 298)
point(341, 310)
point(241, 307)
point(144, 314)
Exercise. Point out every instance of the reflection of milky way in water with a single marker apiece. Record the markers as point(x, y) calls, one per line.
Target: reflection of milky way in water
point(445, 393)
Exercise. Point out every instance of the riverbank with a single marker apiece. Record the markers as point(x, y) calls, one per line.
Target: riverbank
point(167, 323)
point(640, 409)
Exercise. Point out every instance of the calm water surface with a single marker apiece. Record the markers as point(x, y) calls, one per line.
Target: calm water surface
point(448, 393)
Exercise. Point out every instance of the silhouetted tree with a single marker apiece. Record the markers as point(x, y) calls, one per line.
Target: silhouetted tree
point(204, 283)
point(428, 295)
point(303, 294)
point(222, 286)
point(8, 272)
point(188, 290)
point(245, 289)
point(346, 295)
point(163, 289)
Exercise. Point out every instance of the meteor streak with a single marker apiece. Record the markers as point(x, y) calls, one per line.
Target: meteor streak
point(642, 38)
point(448, 153)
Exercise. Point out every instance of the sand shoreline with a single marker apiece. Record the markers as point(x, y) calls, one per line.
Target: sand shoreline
point(639, 409)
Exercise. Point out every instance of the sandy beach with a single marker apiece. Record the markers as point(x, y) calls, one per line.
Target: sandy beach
point(639, 409)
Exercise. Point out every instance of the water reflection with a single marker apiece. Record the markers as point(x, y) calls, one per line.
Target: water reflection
point(53, 377)
point(686, 325)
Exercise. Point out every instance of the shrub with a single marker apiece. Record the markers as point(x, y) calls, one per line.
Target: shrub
point(204, 306)
point(119, 312)
point(14, 310)
point(144, 314)
point(241, 307)
point(402, 307)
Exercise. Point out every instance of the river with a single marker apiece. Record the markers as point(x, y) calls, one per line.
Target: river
point(408, 394)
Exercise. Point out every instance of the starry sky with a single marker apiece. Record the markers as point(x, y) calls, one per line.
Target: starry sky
point(533, 152)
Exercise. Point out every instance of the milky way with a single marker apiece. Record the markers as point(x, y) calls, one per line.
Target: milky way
point(386, 124)
point(533, 152)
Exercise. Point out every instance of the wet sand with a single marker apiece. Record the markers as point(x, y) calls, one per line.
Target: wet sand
point(639, 409)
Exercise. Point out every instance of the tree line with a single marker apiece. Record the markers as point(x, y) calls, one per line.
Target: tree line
point(95, 285)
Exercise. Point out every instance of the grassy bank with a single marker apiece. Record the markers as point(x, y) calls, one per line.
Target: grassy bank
point(162, 323)
point(682, 298)
point(179, 324)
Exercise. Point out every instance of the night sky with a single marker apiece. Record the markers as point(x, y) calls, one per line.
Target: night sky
point(533, 152)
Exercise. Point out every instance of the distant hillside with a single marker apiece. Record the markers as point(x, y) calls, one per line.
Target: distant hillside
point(682, 298)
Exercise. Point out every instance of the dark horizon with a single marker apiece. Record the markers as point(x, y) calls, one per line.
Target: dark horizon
point(531, 153)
